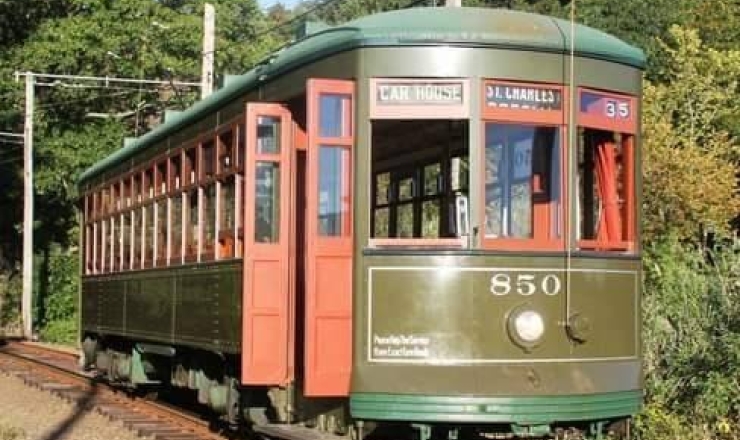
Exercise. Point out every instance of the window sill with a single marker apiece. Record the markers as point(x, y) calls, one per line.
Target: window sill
point(416, 242)
point(606, 246)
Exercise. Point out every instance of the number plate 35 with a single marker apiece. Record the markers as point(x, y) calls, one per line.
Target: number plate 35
point(525, 284)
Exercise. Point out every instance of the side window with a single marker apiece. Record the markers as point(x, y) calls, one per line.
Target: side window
point(267, 182)
point(521, 181)
point(605, 176)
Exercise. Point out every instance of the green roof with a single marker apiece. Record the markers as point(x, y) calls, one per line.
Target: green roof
point(480, 27)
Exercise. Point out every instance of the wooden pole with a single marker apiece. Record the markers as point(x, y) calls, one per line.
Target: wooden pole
point(209, 31)
point(26, 299)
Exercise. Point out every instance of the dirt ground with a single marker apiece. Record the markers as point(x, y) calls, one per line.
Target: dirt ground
point(30, 414)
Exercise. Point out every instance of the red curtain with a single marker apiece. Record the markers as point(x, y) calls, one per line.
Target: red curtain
point(610, 227)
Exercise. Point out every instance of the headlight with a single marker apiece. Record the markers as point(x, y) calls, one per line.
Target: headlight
point(528, 327)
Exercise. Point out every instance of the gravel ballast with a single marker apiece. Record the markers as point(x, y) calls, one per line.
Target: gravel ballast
point(39, 415)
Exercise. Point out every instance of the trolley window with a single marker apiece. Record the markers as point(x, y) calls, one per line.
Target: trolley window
point(605, 186)
point(420, 169)
point(605, 191)
point(522, 184)
point(521, 166)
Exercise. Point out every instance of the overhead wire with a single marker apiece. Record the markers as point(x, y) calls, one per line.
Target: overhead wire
point(89, 98)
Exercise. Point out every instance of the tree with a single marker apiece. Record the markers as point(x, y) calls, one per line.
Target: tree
point(690, 159)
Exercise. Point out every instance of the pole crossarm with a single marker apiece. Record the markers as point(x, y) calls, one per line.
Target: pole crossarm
point(107, 79)
point(7, 134)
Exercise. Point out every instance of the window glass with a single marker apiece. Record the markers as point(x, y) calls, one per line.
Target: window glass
point(268, 135)
point(161, 178)
point(382, 188)
point(116, 197)
point(175, 172)
point(226, 154)
point(331, 114)
point(228, 218)
point(176, 230)
point(126, 240)
point(209, 219)
point(209, 160)
point(430, 219)
point(406, 189)
point(602, 198)
point(149, 237)
point(138, 224)
point(97, 231)
point(191, 222)
point(114, 254)
point(190, 167)
point(149, 183)
point(161, 231)
point(240, 146)
point(333, 191)
point(88, 248)
point(267, 202)
point(136, 189)
point(105, 231)
point(382, 223)
point(431, 179)
point(405, 221)
point(519, 164)
point(127, 192)
point(105, 197)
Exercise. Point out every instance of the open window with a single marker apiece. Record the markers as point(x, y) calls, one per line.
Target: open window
point(175, 200)
point(605, 186)
point(420, 170)
point(228, 187)
point(208, 183)
point(191, 211)
point(605, 190)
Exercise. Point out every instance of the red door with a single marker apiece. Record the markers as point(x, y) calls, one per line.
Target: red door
point(267, 346)
point(328, 352)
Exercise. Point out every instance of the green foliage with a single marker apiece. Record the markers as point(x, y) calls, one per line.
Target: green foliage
point(690, 158)
point(59, 287)
point(691, 341)
point(10, 295)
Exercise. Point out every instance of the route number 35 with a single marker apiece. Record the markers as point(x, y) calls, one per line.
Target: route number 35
point(525, 284)
point(617, 109)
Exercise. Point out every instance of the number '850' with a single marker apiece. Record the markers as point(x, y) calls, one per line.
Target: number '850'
point(525, 284)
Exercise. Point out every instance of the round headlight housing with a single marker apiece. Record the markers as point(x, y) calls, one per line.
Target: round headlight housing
point(526, 327)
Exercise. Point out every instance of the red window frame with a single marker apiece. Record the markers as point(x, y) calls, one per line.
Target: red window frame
point(542, 214)
point(626, 125)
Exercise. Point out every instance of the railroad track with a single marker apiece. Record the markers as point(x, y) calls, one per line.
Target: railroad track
point(57, 372)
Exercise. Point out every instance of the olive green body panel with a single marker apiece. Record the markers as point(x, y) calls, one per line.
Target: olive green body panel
point(193, 305)
point(432, 325)
point(540, 410)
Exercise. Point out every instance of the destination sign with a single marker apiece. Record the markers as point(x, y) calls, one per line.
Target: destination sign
point(523, 97)
point(609, 106)
point(419, 93)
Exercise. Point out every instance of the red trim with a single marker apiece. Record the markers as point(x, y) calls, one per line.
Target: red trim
point(268, 285)
point(529, 116)
point(597, 117)
point(543, 214)
point(329, 264)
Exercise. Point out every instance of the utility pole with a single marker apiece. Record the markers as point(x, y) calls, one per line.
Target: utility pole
point(209, 31)
point(26, 299)
point(28, 193)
